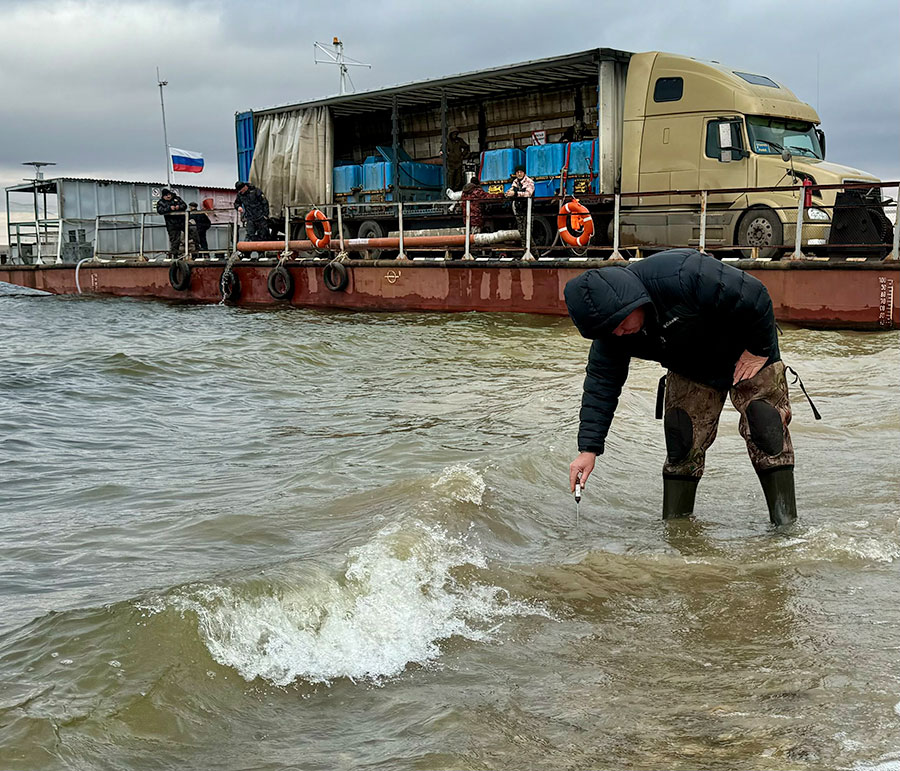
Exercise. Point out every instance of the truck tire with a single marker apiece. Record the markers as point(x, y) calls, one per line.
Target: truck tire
point(370, 229)
point(543, 231)
point(760, 227)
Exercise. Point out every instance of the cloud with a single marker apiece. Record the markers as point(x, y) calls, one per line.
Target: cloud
point(79, 84)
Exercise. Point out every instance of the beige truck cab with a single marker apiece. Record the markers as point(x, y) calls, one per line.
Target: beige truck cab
point(693, 125)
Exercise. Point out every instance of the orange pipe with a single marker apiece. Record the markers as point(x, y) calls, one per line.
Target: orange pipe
point(356, 244)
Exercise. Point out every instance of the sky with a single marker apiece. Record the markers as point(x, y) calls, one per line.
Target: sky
point(79, 86)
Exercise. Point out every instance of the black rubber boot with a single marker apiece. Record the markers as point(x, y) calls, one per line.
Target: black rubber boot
point(678, 496)
point(778, 486)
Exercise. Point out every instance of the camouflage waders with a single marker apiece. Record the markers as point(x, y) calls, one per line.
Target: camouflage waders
point(692, 418)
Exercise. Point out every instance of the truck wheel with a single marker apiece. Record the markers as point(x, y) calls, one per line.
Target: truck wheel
point(370, 229)
point(542, 234)
point(760, 227)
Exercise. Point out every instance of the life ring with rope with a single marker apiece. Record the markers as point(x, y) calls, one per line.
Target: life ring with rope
point(318, 217)
point(576, 227)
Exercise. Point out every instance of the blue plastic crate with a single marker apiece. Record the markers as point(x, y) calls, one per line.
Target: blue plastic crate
point(584, 167)
point(346, 178)
point(499, 165)
point(545, 160)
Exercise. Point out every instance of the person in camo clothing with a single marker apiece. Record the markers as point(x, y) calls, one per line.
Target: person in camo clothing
point(171, 207)
point(254, 210)
point(713, 327)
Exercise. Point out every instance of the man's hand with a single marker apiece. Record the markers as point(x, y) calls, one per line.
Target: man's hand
point(747, 366)
point(584, 465)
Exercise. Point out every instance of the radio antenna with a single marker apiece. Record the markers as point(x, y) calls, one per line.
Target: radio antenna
point(337, 57)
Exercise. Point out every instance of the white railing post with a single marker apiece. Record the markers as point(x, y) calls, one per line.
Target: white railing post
point(895, 250)
point(141, 245)
point(287, 233)
point(528, 256)
point(798, 239)
point(468, 253)
point(703, 201)
point(340, 224)
point(615, 252)
point(187, 234)
point(59, 236)
point(234, 233)
point(96, 238)
point(402, 255)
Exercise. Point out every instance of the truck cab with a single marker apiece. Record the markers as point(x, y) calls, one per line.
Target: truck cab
point(692, 125)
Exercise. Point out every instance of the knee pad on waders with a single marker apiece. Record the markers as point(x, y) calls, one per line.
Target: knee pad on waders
point(679, 434)
point(766, 428)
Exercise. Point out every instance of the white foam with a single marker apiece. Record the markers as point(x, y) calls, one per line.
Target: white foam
point(395, 602)
point(462, 483)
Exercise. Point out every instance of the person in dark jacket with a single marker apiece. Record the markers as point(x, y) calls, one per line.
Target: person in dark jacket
point(254, 210)
point(457, 151)
point(169, 205)
point(712, 326)
point(201, 223)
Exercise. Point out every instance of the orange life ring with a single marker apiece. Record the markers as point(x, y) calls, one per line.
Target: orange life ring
point(575, 224)
point(311, 219)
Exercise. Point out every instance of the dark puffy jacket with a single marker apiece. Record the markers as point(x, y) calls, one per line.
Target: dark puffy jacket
point(701, 315)
point(254, 203)
point(168, 209)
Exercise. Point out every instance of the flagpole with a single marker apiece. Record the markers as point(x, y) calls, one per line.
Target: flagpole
point(162, 105)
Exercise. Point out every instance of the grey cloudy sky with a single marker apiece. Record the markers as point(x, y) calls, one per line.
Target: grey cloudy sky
point(79, 79)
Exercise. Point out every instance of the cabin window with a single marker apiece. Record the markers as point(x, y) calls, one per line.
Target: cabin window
point(668, 89)
point(714, 150)
point(757, 80)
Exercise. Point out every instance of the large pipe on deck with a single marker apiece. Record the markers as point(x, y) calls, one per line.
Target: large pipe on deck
point(363, 244)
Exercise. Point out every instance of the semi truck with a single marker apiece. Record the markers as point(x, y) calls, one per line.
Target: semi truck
point(655, 127)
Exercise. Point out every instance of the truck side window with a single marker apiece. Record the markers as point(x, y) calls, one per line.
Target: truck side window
point(668, 89)
point(712, 140)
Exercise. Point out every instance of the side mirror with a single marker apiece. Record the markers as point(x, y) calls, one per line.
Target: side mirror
point(786, 155)
point(821, 135)
point(725, 142)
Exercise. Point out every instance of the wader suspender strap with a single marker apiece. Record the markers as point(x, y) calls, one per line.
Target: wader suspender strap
point(798, 380)
point(660, 397)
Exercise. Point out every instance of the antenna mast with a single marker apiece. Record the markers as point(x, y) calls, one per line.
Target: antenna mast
point(337, 57)
point(162, 105)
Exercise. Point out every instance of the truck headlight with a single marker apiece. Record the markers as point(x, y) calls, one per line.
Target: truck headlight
point(816, 215)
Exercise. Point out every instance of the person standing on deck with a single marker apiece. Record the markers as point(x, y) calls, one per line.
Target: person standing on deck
point(457, 151)
point(254, 210)
point(169, 205)
point(201, 222)
point(522, 187)
point(713, 327)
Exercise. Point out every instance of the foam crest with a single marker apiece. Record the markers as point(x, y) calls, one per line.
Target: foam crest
point(462, 483)
point(395, 602)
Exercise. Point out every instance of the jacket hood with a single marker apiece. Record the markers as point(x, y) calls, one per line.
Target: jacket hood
point(599, 300)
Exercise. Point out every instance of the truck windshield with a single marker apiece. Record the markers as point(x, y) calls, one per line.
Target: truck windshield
point(768, 136)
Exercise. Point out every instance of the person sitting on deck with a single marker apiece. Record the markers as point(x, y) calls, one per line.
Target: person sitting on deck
point(200, 222)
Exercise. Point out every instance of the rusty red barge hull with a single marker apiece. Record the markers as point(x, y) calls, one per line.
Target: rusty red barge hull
point(835, 295)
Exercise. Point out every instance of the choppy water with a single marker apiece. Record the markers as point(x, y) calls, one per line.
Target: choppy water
point(294, 539)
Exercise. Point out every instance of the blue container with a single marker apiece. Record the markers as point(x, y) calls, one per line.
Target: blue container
point(421, 176)
point(584, 167)
point(246, 143)
point(346, 178)
point(542, 161)
point(499, 165)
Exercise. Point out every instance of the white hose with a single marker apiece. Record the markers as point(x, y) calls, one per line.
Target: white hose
point(78, 268)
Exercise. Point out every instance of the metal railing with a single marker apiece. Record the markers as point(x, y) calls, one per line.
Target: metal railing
point(796, 218)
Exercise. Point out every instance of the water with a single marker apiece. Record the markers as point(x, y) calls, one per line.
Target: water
point(239, 539)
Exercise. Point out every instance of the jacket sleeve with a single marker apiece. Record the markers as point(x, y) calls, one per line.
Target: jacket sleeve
point(606, 371)
point(739, 302)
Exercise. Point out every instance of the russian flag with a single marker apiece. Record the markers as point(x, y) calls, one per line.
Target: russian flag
point(185, 160)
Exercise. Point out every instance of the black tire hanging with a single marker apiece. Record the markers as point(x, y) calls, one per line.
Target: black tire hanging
point(180, 275)
point(336, 276)
point(230, 286)
point(281, 283)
